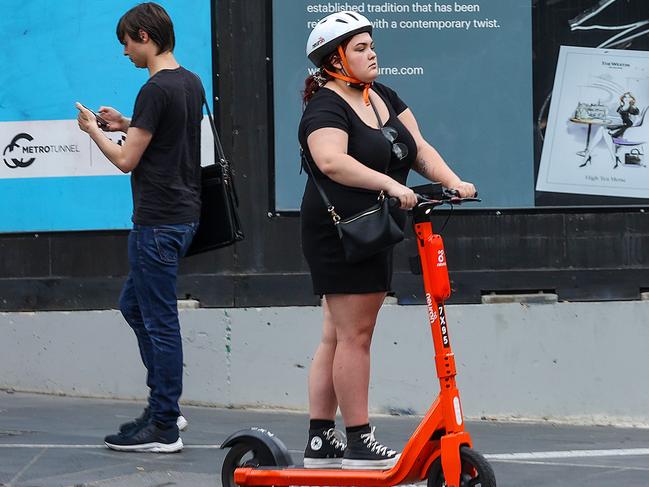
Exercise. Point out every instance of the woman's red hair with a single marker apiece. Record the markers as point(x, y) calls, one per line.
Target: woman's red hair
point(311, 86)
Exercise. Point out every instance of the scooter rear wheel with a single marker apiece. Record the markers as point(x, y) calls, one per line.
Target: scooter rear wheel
point(244, 455)
point(476, 471)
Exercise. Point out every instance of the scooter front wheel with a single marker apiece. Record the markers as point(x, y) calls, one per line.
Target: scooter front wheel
point(244, 455)
point(476, 471)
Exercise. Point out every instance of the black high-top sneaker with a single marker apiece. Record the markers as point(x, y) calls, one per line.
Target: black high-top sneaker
point(364, 452)
point(325, 449)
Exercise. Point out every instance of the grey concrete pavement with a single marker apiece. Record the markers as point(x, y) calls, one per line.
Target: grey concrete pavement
point(48, 441)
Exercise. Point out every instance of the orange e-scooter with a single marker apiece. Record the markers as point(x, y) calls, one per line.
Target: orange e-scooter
point(439, 450)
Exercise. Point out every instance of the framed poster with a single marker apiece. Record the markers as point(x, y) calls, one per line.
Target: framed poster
point(597, 131)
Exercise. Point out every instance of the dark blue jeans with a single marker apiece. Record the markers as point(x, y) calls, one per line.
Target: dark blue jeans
point(148, 303)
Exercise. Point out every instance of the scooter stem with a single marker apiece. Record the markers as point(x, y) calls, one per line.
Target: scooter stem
point(437, 289)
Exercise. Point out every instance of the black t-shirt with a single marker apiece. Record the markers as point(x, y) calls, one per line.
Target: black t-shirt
point(166, 183)
point(365, 144)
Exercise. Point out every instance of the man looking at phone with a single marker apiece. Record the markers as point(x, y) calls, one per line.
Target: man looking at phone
point(162, 153)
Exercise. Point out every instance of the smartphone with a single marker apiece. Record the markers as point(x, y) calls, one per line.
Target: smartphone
point(100, 121)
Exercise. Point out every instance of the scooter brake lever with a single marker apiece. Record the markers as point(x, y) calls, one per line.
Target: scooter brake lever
point(426, 200)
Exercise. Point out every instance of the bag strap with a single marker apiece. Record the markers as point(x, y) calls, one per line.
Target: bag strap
point(305, 163)
point(330, 208)
point(376, 112)
point(217, 140)
point(223, 162)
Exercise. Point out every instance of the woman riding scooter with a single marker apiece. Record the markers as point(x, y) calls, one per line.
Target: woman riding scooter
point(359, 139)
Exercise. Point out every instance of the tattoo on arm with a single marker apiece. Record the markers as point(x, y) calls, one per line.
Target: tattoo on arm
point(421, 166)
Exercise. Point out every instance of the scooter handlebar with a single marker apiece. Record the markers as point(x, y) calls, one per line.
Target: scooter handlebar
point(449, 196)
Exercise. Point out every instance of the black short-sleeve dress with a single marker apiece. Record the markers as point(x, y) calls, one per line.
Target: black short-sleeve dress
point(321, 246)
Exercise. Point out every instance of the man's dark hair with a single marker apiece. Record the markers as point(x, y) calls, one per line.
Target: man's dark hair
point(152, 19)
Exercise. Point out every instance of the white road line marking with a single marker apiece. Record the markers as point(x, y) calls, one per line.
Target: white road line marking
point(501, 457)
point(26, 445)
point(83, 447)
point(583, 465)
point(26, 467)
point(544, 455)
point(203, 447)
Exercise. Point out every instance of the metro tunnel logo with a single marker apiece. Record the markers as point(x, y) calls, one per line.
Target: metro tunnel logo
point(21, 155)
point(15, 162)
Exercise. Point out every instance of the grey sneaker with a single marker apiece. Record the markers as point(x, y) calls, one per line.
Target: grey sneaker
point(325, 449)
point(365, 453)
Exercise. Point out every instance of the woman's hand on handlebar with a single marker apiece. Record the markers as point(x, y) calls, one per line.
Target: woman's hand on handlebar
point(406, 196)
point(465, 190)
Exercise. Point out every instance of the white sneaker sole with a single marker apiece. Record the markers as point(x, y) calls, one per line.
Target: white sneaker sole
point(370, 464)
point(182, 423)
point(323, 462)
point(149, 447)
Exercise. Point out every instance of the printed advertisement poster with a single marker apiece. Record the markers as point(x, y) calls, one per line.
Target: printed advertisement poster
point(463, 67)
point(597, 131)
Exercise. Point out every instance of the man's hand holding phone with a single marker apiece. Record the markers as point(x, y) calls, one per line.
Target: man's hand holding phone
point(108, 119)
point(101, 122)
point(115, 121)
point(87, 119)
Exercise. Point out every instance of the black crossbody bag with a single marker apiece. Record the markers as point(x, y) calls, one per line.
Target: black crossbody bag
point(367, 233)
point(220, 224)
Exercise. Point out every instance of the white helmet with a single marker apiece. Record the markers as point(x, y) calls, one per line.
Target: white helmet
point(331, 31)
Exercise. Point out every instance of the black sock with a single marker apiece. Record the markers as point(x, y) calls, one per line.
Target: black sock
point(361, 428)
point(321, 424)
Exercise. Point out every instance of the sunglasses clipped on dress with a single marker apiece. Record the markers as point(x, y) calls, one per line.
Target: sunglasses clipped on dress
point(399, 149)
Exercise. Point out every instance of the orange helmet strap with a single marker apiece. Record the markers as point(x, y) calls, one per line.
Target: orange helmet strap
point(351, 79)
